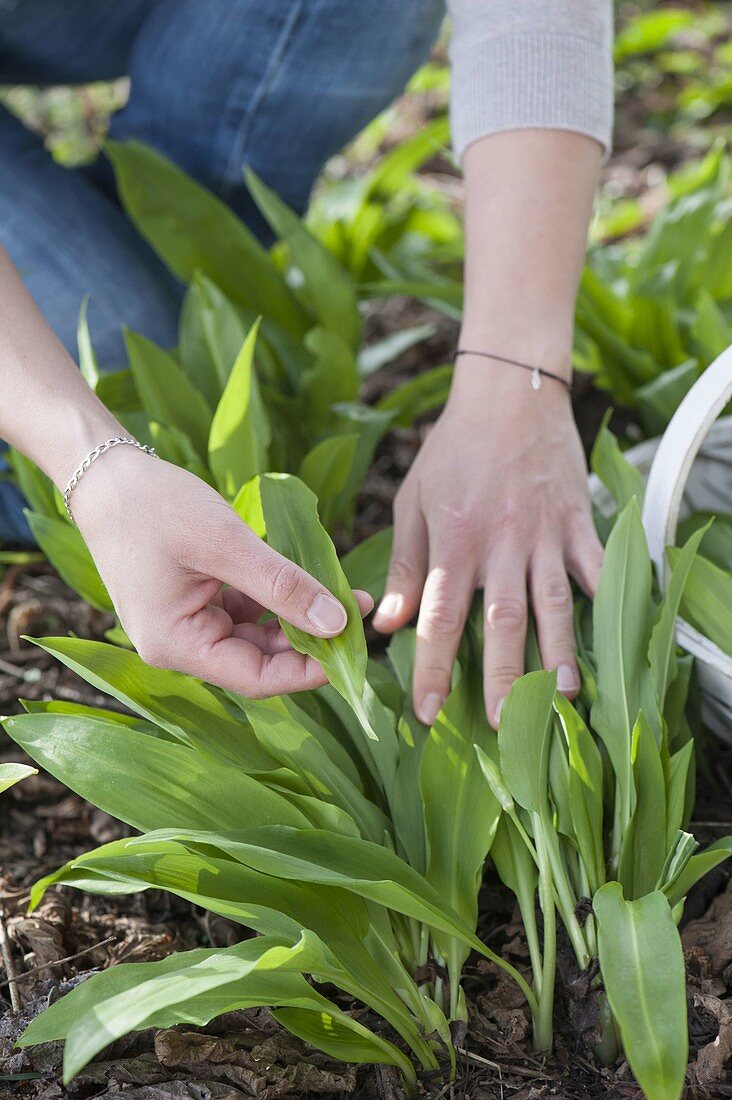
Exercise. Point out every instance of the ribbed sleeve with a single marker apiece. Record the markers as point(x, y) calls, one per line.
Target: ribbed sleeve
point(531, 63)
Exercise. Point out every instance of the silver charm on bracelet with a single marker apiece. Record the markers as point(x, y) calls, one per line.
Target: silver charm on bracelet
point(93, 456)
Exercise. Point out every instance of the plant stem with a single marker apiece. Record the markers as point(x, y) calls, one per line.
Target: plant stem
point(543, 1031)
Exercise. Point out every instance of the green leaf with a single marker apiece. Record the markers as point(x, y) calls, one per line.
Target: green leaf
point(308, 749)
point(642, 966)
point(716, 544)
point(460, 811)
point(644, 849)
point(350, 863)
point(662, 646)
point(165, 391)
point(621, 480)
point(325, 469)
point(417, 396)
point(248, 506)
point(194, 987)
point(341, 1037)
point(585, 791)
point(192, 230)
point(144, 781)
point(651, 31)
point(63, 545)
point(366, 566)
point(328, 285)
point(374, 356)
point(710, 330)
point(87, 359)
point(620, 640)
point(10, 774)
point(698, 866)
point(187, 709)
point(211, 334)
point(37, 489)
point(707, 599)
point(293, 528)
point(659, 399)
point(524, 733)
point(240, 435)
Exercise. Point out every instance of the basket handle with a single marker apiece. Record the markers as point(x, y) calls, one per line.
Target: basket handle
point(676, 453)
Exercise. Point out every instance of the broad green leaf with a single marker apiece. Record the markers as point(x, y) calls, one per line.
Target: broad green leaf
point(87, 359)
point(117, 391)
point(269, 905)
point(189, 710)
point(700, 865)
point(211, 334)
point(707, 599)
point(240, 435)
point(620, 639)
point(298, 743)
point(248, 506)
point(332, 378)
point(716, 544)
point(367, 564)
point(62, 706)
point(325, 469)
point(642, 967)
point(327, 284)
point(293, 528)
point(165, 391)
point(650, 31)
point(10, 774)
point(37, 489)
point(371, 425)
point(341, 1037)
point(144, 781)
point(621, 480)
point(192, 230)
point(644, 848)
point(524, 733)
point(63, 545)
point(662, 646)
point(374, 356)
point(420, 395)
point(659, 399)
point(585, 791)
point(460, 811)
point(311, 855)
point(677, 772)
point(710, 329)
point(194, 987)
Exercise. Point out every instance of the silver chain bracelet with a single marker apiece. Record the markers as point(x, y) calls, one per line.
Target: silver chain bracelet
point(92, 456)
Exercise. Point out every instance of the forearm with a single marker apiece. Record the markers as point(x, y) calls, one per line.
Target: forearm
point(47, 410)
point(529, 196)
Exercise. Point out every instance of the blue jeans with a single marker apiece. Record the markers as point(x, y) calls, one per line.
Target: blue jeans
point(280, 85)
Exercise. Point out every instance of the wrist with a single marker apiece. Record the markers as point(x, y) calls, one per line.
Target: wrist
point(494, 385)
point(85, 426)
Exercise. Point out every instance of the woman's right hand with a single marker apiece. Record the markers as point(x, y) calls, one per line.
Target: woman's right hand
point(166, 544)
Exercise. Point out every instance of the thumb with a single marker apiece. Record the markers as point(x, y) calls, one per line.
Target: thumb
point(247, 563)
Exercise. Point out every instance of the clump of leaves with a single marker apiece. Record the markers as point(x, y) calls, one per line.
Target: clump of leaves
point(599, 822)
point(356, 859)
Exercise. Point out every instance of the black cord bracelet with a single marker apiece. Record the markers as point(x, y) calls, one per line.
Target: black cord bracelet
point(537, 373)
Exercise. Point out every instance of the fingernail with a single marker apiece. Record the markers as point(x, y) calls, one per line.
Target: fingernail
point(430, 708)
point(567, 678)
point(497, 712)
point(389, 608)
point(326, 614)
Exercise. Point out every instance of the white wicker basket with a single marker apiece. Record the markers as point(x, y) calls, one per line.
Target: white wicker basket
point(690, 469)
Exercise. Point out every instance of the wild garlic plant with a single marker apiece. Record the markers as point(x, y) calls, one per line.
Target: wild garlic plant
point(347, 835)
point(597, 798)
